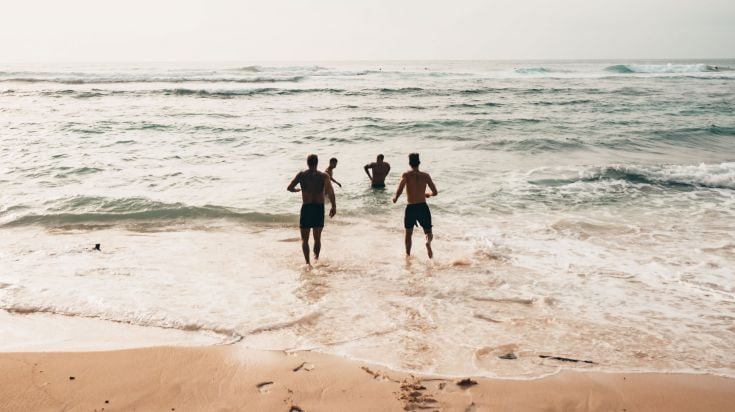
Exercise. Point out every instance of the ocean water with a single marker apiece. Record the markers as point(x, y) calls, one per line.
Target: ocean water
point(586, 209)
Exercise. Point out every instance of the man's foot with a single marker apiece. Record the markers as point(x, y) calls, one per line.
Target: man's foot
point(429, 251)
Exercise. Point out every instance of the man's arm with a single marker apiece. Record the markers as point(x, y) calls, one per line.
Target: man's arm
point(335, 180)
point(330, 194)
point(369, 166)
point(292, 186)
point(430, 182)
point(400, 188)
point(387, 171)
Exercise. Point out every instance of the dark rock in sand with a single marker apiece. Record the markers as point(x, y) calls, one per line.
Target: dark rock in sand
point(295, 408)
point(71, 378)
point(563, 359)
point(509, 355)
point(466, 383)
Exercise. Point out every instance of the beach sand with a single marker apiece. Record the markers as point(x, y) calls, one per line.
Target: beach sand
point(231, 377)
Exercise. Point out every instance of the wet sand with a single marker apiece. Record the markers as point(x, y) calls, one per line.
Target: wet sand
point(235, 378)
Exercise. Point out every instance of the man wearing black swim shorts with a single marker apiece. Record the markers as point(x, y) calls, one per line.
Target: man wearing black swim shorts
point(314, 184)
point(417, 211)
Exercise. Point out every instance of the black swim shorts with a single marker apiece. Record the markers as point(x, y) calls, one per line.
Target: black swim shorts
point(312, 215)
point(378, 185)
point(417, 213)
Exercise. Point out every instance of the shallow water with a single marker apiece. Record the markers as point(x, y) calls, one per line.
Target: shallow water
point(585, 208)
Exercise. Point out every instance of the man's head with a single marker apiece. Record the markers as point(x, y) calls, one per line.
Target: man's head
point(312, 160)
point(380, 158)
point(333, 162)
point(413, 160)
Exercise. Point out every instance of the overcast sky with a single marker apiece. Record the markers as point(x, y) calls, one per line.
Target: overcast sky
point(245, 30)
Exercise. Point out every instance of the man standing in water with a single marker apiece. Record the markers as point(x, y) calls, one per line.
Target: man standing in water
point(330, 170)
point(380, 171)
point(314, 184)
point(417, 211)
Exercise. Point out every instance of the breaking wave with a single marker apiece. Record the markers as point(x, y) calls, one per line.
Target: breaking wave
point(81, 210)
point(663, 68)
point(718, 176)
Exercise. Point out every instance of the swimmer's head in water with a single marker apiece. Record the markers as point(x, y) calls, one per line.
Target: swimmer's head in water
point(312, 160)
point(413, 160)
point(333, 162)
point(380, 157)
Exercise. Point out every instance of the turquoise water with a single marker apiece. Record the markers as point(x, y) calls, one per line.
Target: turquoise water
point(601, 192)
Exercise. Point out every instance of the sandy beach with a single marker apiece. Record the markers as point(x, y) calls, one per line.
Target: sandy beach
point(234, 378)
point(367, 206)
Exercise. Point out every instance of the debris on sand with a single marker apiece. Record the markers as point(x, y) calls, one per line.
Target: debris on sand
point(563, 359)
point(466, 383)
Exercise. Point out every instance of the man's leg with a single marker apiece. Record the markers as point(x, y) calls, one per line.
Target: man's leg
point(409, 232)
point(317, 241)
point(305, 243)
point(429, 238)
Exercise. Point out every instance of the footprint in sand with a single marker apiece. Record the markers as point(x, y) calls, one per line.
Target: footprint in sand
point(306, 366)
point(264, 387)
point(378, 375)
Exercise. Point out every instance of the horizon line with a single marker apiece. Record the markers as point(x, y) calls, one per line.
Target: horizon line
point(605, 59)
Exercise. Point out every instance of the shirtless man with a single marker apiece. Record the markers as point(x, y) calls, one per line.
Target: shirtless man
point(314, 184)
point(330, 170)
point(380, 171)
point(417, 210)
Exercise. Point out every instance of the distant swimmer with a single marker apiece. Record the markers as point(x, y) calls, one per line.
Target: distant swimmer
point(330, 170)
point(417, 211)
point(380, 171)
point(314, 184)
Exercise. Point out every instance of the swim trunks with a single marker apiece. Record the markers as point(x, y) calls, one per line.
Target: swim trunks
point(378, 185)
point(312, 215)
point(417, 212)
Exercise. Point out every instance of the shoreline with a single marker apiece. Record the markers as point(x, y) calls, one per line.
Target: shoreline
point(48, 332)
point(231, 377)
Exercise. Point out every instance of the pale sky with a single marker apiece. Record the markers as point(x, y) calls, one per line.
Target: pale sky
point(245, 30)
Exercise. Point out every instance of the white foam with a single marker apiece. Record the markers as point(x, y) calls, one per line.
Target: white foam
point(583, 287)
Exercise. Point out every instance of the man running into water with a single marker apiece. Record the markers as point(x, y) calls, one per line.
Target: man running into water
point(330, 170)
point(314, 184)
point(380, 171)
point(417, 210)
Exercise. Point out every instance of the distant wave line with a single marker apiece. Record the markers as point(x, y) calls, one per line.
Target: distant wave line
point(664, 68)
point(116, 80)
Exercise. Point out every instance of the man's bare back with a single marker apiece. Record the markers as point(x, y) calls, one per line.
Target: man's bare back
point(313, 184)
point(380, 171)
point(416, 182)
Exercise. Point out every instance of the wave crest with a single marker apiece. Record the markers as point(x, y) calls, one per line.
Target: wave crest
point(533, 70)
point(717, 176)
point(89, 210)
point(662, 68)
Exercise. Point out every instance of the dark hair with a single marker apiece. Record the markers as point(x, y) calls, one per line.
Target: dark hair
point(413, 159)
point(381, 157)
point(312, 160)
point(333, 160)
